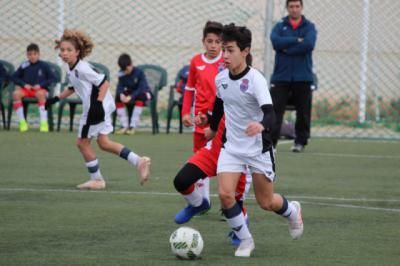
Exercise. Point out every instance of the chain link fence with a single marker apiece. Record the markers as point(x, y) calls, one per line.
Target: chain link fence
point(356, 57)
point(357, 63)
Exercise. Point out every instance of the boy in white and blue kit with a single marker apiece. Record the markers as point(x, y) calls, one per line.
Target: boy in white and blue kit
point(98, 104)
point(242, 94)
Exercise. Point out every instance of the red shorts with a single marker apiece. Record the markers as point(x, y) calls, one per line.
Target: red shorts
point(206, 159)
point(31, 93)
point(199, 141)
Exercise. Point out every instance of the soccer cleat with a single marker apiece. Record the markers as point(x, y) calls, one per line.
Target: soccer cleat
point(296, 226)
point(298, 148)
point(23, 126)
point(189, 211)
point(44, 126)
point(121, 131)
point(143, 168)
point(93, 184)
point(130, 131)
point(245, 248)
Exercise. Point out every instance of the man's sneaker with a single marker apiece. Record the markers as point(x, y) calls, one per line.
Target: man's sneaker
point(23, 126)
point(296, 226)
point(44, 126)
point(187, 213)
point(130, 131)
point(298, 148)
point(121, 131)
point(245, 248)
point(143, 168)
point(93, 184)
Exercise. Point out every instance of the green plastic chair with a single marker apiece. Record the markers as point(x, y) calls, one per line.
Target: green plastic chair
point(28, 100)
point(73, 102)
point(174, 102)
point(6, 87)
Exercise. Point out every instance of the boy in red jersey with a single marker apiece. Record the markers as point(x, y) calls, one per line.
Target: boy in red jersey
point(200, 89)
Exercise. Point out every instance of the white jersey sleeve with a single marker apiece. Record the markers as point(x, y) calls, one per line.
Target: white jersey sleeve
point(91, 76)
point(261, 90)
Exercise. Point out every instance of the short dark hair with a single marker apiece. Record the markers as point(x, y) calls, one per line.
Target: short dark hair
point(212, 27)
point(33, 47)
point(240, 35)
point(124, 61)
point(288, 1)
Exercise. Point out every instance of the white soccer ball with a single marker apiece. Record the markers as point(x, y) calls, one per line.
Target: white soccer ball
point(186, 243)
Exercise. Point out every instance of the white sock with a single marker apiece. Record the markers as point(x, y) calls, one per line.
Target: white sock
point(20, 113)
point(195, 198)
point(122, 116)
point(43, 114)
point(291, 212)
point(237, 221)
point(94, 170)
point(133, 158)
point(137, 111)
point(288, 210)
point(203, 186)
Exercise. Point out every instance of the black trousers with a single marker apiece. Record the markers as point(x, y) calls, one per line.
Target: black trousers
point(300, 95)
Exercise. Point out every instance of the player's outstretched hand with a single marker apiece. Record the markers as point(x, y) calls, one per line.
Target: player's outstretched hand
point(254, 128)
point(96, 113)
point(187, 120)
point(51, 101)
point(201, 119)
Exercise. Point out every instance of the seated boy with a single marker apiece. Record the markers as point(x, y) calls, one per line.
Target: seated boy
point(32, 79)
point(133, 89)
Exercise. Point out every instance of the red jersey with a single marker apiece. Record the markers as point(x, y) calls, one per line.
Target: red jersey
point(201, 82)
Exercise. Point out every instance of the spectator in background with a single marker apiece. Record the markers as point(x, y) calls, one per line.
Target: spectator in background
point(293, 40)
point(32, 79)
point(132, 88)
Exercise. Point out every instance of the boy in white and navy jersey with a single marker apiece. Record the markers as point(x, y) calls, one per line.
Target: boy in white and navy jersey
point(98, 104)
point(242, 94)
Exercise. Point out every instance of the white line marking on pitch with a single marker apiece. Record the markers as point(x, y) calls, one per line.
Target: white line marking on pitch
point(154, 193)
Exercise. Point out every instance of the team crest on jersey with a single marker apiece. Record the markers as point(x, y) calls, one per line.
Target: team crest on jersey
point(201, 67)
point(76, 74)
point(244, 86)
point(221, 66)
point(224, 86)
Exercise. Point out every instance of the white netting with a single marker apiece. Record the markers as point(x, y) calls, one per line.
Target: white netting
point(356, 58)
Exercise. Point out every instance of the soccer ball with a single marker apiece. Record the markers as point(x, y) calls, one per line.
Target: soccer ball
point(186, 243)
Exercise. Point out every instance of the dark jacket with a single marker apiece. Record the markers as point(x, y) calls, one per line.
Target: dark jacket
point(293, 59)
point(134, 83)
point(33, 74)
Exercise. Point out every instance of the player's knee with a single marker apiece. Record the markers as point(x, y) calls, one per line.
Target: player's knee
point(181, 182)
point(227, 199)
point(41, 94)
point(17, 95)
point(80, 144)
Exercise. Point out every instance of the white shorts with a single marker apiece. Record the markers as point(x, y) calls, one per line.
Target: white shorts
point(92, 131)
point(262, 164)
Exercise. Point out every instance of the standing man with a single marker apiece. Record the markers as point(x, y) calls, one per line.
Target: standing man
point(293, 40)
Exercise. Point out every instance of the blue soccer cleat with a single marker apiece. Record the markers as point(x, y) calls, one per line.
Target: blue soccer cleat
point(187, 213)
